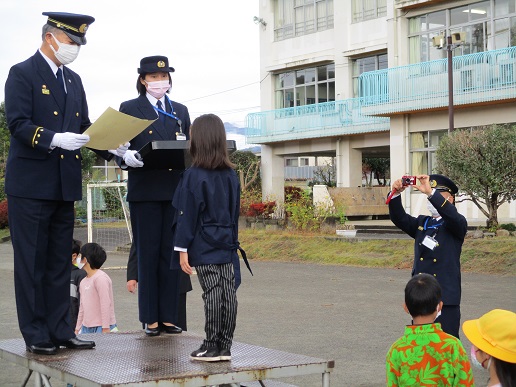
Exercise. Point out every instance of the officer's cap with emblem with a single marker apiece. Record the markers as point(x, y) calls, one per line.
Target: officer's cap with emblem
point(155, 64)
point(442, 183)
point(72, 24)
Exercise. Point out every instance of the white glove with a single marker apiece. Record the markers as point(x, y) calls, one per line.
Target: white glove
point(69, 141)
point(131, 160)
point(120, 151)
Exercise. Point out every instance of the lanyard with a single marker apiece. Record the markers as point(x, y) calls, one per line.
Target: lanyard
point(435, 227)
point(169, 114)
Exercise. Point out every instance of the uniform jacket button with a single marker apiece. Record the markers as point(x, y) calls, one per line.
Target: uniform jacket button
point(421, 259)
point(77, 156)
point(62, 156)
point(150, 131)
point(56, 113)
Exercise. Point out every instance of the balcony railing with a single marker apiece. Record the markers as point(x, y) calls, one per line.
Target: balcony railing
point(327, 119)
point(477, 78)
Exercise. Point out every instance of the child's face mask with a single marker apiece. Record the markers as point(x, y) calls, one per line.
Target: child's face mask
point(79, 263)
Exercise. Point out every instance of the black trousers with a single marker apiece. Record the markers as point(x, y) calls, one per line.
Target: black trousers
point(450, 319)
point(158, 285)
point(41, 234)
point(220, 304)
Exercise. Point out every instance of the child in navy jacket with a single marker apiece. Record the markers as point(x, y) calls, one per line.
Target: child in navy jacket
point(207, 203)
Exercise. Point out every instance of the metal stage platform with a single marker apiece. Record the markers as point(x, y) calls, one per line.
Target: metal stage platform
point(133, 359)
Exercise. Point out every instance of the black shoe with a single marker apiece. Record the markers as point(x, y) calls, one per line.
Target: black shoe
point(42, 349)
point(151, 331)
point(76, 343)
point(205, 354)
point(225, 354)
point(170, 329)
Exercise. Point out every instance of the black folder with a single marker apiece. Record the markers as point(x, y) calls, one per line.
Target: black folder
point(170, 154)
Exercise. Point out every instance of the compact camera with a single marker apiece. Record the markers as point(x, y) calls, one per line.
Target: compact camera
point(408, 180)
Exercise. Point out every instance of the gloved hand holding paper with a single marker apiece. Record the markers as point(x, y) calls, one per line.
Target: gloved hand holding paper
point(113, 128)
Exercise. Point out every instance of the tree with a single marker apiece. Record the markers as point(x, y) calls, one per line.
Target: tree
point(377, 167)
point(325, 175)
point(5, 140)
point(482, 162)
point(248, 169)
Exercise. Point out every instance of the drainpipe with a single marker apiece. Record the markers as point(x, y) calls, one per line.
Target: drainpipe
point(338, 157)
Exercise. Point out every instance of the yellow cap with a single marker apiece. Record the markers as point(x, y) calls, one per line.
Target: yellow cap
point(494, 333)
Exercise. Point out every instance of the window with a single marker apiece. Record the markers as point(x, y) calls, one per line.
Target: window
point(299, 17)
point(362, 65)
point(422, 151)
point(291, 163)
point(368, 9)
point(488, 25)
point(304, 161)
point(305, 86)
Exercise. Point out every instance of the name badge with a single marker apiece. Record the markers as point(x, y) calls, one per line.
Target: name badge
point(430, 242)
point(180, 136)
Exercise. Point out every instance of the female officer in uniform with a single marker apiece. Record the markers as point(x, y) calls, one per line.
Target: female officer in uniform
point(150, 192)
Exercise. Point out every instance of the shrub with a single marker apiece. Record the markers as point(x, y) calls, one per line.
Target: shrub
point(3, 214)
point(508, 226)
point(263, 209)
point(248, 197)
point(2, 190)
point(293, 193)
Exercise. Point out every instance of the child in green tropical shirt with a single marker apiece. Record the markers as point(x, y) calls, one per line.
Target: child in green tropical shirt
point(425, 355)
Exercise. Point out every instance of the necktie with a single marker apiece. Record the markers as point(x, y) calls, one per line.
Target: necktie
point(60, 78)
point(160, 107)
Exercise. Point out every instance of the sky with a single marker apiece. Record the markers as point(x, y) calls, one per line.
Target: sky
point(213, 46)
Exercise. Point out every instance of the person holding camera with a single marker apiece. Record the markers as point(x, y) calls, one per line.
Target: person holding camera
point(438, 239)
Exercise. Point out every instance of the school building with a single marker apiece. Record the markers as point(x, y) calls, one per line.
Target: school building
point(369, 78)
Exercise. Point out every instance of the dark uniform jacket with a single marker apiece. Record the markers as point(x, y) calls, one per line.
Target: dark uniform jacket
point(36, 107)
point(157, 184)
point(207, 204)
point(444, 261)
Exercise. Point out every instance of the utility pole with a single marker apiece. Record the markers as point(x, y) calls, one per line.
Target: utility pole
point(449, 48)
point(453, 40)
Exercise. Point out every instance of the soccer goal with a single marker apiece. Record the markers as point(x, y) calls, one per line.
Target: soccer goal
point(108, 217)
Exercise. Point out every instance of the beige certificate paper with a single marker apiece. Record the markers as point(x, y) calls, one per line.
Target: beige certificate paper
point(113, 129)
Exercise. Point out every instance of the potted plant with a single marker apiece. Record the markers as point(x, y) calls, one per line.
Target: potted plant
point(342, 227)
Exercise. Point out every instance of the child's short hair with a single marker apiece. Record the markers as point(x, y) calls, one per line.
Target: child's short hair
point(76, 246)
point(94, 254)
point(422, 295)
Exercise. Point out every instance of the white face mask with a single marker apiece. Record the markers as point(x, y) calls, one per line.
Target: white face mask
point(66, 53)
point(158, 88)
point(78, 260)
point(438, 314)
point(432, 209)
point(475, 363)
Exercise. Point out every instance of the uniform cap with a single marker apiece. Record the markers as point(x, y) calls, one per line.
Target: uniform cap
point(73, 25)
point(155, 64)
point(494, 333)
point(442, 183)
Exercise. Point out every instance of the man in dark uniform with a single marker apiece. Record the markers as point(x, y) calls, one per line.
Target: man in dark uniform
point(46, 112)
point(438, 240)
